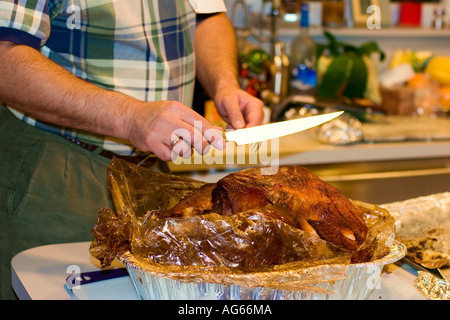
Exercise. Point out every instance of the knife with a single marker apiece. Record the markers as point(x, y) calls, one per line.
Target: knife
point(278, 129)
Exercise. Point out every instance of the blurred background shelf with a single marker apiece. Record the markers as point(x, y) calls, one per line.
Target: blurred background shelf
point(391, 37)
point(391, 32)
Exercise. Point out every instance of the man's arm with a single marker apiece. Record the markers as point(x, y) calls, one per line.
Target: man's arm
point(217, 71)
point(46, 91)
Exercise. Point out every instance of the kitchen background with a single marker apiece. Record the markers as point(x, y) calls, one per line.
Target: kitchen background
point(398, 146)
point(406, 24)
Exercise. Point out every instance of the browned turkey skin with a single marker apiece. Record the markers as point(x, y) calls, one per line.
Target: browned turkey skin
point(293, 195)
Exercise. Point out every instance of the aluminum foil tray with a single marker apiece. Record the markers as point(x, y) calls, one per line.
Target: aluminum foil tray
point(359, 282)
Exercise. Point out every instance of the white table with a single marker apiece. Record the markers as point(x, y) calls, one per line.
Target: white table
point(40, 274)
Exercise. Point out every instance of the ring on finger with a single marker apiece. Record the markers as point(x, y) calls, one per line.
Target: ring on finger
point(174, 142)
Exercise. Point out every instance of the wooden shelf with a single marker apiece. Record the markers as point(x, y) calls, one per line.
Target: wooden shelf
point(393, 32)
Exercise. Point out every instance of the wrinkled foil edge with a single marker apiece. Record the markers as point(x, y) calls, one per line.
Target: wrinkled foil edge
point(432, 287)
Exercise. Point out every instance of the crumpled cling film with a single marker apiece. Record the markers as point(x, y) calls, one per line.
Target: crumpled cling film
point(246, 249)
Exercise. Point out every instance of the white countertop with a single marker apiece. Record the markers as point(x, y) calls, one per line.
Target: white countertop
point(41, 274)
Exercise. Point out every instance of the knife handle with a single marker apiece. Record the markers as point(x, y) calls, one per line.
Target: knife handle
point(224, 136)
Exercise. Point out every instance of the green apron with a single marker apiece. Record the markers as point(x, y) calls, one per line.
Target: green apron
point(50, 191)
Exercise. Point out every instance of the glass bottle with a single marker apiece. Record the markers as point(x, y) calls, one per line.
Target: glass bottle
point(303, 57)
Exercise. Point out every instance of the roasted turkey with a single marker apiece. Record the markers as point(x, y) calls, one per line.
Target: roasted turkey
point(293, 195)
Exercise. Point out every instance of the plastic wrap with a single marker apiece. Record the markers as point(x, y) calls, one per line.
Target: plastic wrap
point(247, 249)
point(245, 239)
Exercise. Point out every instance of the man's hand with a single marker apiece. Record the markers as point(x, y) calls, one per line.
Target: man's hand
point(170, 129)
point(239, 108)
point(217, 70)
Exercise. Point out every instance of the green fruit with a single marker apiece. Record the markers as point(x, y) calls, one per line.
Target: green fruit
point(335, 77)
point(256, 59)
point(357, 80)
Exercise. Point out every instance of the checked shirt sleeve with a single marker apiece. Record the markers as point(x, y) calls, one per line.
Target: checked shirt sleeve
point(207, 6)
point(25, 22)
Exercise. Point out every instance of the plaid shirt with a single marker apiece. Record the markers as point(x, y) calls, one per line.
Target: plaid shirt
point(142, 48)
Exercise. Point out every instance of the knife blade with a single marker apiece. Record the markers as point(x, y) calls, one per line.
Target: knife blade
point(445, 273)
point(278, 129)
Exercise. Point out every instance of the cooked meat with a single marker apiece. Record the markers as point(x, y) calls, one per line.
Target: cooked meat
point(196, 203)
point(293, 195)
point(302, 199)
